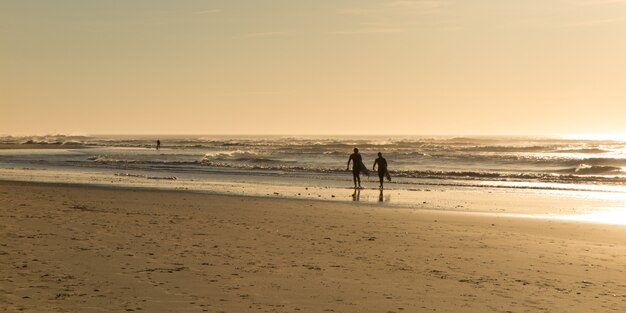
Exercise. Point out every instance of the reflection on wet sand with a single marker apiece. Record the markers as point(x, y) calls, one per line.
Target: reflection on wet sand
point(356, 196)
point(609, 215)
point(382, 197)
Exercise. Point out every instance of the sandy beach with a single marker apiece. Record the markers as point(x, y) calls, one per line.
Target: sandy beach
point(87, 249)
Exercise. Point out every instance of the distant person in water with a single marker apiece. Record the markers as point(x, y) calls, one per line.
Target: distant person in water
point(357, 166)
point(158, 144)
point(382, 169)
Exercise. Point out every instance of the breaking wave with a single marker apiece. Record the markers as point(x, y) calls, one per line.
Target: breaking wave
point(585, 169)
point(460, 158)
point(113, 160)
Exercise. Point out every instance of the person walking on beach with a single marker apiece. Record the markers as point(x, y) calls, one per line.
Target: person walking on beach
point(158, 144)
point(357, 166)
point(382, 169)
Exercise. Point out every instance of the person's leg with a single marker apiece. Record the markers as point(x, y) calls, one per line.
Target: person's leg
point(382, 179)
point(354, 176)
point(358, 179)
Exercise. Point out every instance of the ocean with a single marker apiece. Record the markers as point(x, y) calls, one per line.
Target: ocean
point(443, 160)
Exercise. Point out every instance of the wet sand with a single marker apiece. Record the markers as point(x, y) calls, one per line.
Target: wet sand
point(88, 249)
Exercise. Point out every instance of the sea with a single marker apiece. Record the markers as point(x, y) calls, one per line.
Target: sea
point(315, 166)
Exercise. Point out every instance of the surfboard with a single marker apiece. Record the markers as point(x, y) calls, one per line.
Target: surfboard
point(364, 169)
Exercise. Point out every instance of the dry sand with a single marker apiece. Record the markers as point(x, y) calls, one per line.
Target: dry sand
point(89, 249)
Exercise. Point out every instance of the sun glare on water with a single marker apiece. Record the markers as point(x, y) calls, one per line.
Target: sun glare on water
point(612, 137)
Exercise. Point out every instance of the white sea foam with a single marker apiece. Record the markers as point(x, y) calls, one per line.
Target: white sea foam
point(444, 158)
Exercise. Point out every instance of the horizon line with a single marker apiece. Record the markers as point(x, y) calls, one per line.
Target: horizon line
point(561, 136)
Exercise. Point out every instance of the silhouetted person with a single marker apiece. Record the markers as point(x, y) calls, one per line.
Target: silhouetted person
point(382, 169)
point(357, 165)
point(158, 144)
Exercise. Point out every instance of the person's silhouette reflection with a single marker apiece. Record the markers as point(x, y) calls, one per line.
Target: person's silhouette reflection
point(356, 195)
point(380, 196)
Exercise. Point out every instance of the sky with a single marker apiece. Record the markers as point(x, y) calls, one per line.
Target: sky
point(481, 67)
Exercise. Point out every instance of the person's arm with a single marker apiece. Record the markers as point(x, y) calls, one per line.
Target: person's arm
point(349, 159)
point(374, 167)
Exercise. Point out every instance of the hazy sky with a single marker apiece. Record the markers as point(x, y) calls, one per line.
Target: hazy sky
point(313, 67)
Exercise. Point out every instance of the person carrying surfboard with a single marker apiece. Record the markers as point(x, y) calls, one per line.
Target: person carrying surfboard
point(382, 169)
point(357, 167)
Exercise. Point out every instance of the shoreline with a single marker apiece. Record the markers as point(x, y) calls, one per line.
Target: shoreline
point(93, 249)
point(522, 203)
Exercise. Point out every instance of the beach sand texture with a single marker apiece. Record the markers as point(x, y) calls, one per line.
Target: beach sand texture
point(90, 249)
